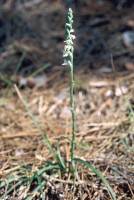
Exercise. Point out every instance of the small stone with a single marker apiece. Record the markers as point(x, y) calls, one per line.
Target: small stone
point(128, 38)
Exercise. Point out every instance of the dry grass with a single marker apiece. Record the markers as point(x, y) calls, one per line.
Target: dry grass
point(104, 132)
point(105, 124)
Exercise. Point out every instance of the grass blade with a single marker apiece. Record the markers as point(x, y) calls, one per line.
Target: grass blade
point(10, 180)
point(98, 174)
point(14, 73)
point(15, 186)
point(44, 136)
point(60, 158)
point(35, 73)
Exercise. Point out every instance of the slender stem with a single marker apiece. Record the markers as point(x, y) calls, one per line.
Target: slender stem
point(70, 65)
point(73, 113)
point(68, 54)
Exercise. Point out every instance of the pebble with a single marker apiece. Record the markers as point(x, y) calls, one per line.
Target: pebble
point(128, 38)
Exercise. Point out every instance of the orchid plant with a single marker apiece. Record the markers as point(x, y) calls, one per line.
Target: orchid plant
point(59, 164)
point(68, 61)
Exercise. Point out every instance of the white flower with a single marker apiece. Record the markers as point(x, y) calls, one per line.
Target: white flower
point(72, 30)
point(65, 54)
point(73, 37)
point(65, 62)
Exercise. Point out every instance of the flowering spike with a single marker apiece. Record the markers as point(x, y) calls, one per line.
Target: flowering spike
point(68, 49)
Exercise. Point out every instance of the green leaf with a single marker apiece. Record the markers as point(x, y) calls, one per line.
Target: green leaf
point(44, 135)
point(87, 164)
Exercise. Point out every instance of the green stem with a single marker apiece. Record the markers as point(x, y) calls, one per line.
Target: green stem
point(73, 116)
point(68, 54)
